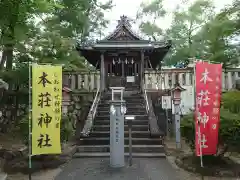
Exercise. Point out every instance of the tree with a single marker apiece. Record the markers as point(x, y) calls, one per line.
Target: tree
point(183, 30)
point(15, 19)
point(53, 38)
point(44, 31)
point(196, 31)
point(219, 35)
point(152, 12)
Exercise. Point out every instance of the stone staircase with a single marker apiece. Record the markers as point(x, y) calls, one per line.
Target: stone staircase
point(97, 144)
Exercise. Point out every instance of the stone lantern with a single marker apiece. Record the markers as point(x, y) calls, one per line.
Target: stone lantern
point(176, 94)
point(176, 99)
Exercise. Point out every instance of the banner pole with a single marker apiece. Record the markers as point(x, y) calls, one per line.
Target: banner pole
point(30, 121)
point(196, 113)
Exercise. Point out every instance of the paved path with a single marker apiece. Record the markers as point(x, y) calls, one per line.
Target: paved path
point(98, 169)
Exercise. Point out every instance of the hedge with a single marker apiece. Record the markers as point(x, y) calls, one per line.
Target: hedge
point(229, 132)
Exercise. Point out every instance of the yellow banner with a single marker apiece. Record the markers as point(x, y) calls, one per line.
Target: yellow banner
point(46, 109)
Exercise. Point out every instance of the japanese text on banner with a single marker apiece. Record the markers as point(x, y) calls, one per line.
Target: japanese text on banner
point(46, 109)
point(208, 96)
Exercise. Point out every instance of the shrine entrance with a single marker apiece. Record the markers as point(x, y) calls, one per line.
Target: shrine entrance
point(123, 56)
point(123, 71)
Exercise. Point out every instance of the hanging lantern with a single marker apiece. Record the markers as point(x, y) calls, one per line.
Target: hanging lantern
point(132, 61)
point(113, 62)
point(126, 61)
point(119, 61)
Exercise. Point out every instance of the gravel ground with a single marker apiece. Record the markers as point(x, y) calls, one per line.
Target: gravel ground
point(44, 175)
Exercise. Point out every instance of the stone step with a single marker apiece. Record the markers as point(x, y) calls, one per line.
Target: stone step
point(135, 148)
point(107, 112)
point(106, 141)
point(107, 127)
point(106, 154)
point(128, 104)
point(107, 117)
point(133, 93)
point(107, 122)
point(126, 98)
point(135, 134)
point(136, 101)
point(131, 108)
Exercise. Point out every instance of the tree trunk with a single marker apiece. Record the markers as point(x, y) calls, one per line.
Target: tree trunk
point(8, 37)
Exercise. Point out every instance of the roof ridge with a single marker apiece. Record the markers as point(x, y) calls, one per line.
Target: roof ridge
point(123, 22)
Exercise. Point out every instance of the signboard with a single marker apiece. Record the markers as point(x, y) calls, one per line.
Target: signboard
point(46, 109)
point(166, 102)
point(131, 79)
point(207, 116)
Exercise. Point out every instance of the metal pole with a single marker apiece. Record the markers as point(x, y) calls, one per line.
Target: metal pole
point(130, 141)
point(196, 113)
point(30, 122)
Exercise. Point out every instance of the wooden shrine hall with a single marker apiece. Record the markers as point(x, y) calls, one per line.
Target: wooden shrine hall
point(123, 56)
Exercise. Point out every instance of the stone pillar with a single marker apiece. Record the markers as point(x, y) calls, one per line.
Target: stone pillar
point(102, 73)
point(117, 134)
point(229, 80)
point(177, 125)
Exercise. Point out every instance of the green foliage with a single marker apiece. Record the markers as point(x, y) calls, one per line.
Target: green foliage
point(196, 31)
point(23, 129)
point(152, 11)
point(229, 132)
point(231, 101)
point(48, 31)
point(66, 129)
point(188, 130)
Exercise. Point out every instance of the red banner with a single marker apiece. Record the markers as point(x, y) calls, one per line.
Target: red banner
point(207, 114)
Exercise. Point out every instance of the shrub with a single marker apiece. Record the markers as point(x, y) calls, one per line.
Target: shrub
point(229, 132)
point(66, 129)
point(231, 101)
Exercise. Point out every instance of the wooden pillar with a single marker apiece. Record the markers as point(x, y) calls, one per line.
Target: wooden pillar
point(142, 71)
point(102, 73)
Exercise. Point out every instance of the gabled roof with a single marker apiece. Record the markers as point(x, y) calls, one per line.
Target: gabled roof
point(125, 27)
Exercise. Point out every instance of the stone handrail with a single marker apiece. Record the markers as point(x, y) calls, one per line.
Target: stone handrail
point(153, 124)
point(146, 100)
point(91, 115)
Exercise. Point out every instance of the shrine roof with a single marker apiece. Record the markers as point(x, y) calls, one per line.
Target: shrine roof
point(123, 37)
point(123, 26)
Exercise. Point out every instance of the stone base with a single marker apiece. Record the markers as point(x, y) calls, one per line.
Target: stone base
point(38, 163)
point(15, 164)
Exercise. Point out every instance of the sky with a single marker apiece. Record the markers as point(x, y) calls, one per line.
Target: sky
point(130, 8)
